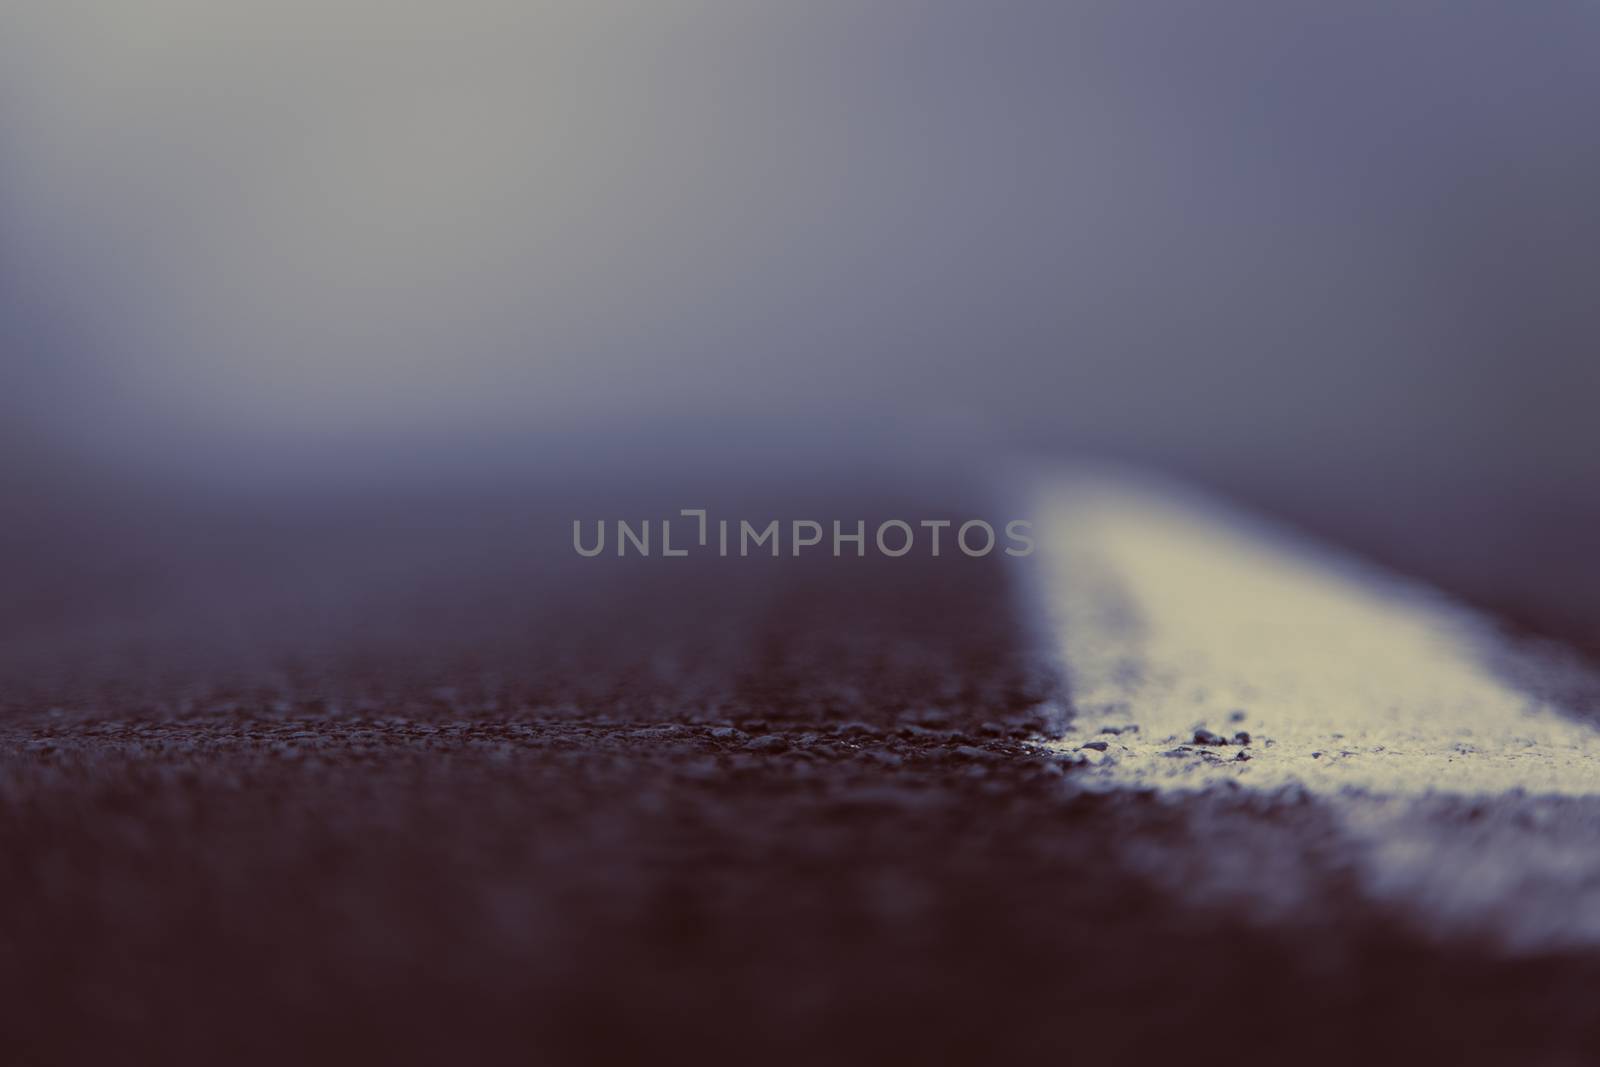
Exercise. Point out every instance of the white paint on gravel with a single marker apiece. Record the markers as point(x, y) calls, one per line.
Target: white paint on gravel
point(1459, 796)
point(1174, 615)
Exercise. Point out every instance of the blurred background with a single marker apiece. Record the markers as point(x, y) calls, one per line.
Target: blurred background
point(296, 296)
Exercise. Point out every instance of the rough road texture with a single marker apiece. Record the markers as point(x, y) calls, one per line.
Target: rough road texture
point(223, 891)
point(797, 820)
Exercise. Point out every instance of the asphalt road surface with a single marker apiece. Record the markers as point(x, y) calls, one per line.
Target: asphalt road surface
point(416, 794)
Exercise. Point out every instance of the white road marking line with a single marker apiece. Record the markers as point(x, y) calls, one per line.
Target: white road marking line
point(1175, 615)
point(1463, 801)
